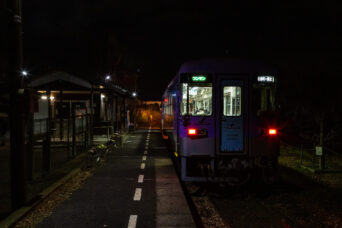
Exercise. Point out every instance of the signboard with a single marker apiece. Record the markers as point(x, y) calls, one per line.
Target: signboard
point(319, 151)
point(199, 78)
point(195, 78)
point(266, 78)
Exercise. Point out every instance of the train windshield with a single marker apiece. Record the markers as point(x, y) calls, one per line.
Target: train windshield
point(196, 99)
point(264, 99)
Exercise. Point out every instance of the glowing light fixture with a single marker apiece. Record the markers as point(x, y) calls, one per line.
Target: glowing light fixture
point(192, 131)
point(103, 96)
point(24, 73)
point(44, 97)
point(134, 94)
point(108, 77)
point(52, 97)
point(272, 131)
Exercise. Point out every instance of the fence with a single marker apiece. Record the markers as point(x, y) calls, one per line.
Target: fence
point(309, 158)
point(49, 150)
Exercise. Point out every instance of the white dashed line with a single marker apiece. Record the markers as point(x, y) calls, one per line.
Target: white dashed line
point(142, 166)
point(147, 144)
point(132, 221)
point(141, 179)
point(144, 158)
point(145, 152)
point(137, 195)
point(146, 147)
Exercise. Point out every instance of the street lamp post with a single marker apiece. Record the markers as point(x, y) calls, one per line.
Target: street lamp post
point(17, 114)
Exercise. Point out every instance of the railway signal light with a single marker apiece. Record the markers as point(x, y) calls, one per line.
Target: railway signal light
point(272, 131)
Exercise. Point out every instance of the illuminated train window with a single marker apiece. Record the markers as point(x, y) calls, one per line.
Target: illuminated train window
point(196, 99)
point(232, 101)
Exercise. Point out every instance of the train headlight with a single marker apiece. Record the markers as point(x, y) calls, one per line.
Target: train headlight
point(192, 131)
point(272, 131)
point(196, 133)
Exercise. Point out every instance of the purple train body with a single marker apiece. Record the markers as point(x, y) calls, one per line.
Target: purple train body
point(219, 117)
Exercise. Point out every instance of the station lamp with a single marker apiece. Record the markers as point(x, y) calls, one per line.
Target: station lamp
point(108, 77)
point(134, 94)
point(24, 73)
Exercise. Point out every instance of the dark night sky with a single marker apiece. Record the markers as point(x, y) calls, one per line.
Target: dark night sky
point(158, 36)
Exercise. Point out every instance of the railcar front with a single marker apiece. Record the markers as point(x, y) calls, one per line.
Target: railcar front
point(223, 120)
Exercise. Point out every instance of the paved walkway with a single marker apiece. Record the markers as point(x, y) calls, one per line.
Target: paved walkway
point(136, 187)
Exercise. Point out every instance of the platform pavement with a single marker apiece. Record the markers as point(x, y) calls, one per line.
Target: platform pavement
point(111, 197)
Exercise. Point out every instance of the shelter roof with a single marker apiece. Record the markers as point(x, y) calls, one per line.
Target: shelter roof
point(60, 80)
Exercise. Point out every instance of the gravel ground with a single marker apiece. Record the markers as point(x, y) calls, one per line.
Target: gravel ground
point(293, 200)
point(45, 208)
point(298, 198)
point(206, 210)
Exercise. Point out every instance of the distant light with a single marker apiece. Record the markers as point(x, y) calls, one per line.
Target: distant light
point(44, 97)
point(102, 95)
point(24, 73)
point(108, 77)
point(265, 78)
point(272, 131)
point(52, 97)
point(166, 100)
point(199, 78)
point(134, 94)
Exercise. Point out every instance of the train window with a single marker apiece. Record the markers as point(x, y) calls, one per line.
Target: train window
point(263, 99)
point(232, 101)
point(183, 107)
point(196, 99)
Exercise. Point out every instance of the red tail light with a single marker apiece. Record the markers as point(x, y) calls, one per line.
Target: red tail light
point(192, 131)
point(272, 131)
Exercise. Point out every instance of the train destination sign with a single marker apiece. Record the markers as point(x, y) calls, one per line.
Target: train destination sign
point(199, 78)
point(266, 78)
point(195, 77)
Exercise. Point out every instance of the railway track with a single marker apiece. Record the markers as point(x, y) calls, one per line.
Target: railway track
point(292, 201)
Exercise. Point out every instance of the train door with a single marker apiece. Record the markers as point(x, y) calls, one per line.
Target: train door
point(232, 116)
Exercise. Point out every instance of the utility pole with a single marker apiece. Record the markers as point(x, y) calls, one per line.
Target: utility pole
point(18, 114)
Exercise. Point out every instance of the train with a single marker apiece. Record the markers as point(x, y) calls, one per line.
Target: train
point(219, 117)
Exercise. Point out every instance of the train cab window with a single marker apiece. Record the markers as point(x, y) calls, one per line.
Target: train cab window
point(232, 101)
point(196, 99)
point(263, 100)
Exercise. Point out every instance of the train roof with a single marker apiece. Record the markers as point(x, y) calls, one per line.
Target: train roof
point(225, 65)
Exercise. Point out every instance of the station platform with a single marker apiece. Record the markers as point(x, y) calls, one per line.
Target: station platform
point(137, 186)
